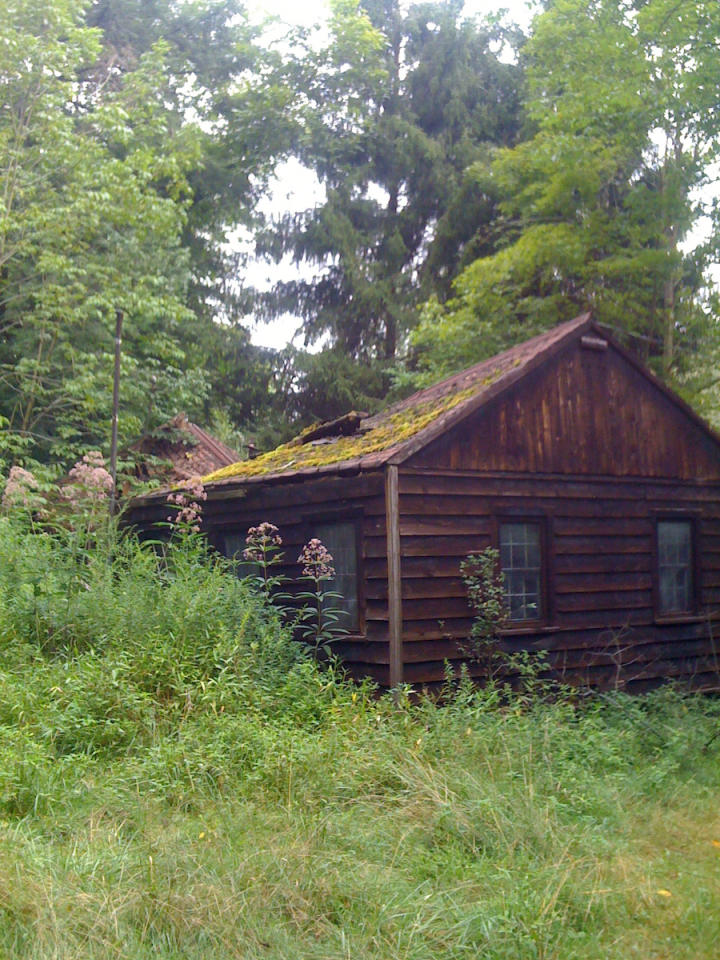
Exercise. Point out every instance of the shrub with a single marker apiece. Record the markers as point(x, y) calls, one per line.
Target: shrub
point(486, 596)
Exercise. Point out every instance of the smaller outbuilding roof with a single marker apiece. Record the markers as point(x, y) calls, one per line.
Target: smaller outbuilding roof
point(177, 451)
point(357, 441)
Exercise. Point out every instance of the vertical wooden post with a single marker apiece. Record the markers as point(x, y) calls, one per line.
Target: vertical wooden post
point(115, 409)
point(392, 522)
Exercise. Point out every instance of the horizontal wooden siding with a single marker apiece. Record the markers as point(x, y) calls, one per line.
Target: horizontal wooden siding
point(601, 626)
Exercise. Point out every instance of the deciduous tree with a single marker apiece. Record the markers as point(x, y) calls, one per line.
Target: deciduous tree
point(597, 206)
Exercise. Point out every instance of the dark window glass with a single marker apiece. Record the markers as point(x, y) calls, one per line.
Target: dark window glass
point(520, 562)
point(234, 545)
point(675, 562)
point(341, 540)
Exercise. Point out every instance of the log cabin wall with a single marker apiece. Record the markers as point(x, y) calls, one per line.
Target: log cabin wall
point(586, 445)
point(584, 411)
point(600, 625)
point(595, 451)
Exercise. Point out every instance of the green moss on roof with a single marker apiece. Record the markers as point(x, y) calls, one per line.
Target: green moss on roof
point(387, 431)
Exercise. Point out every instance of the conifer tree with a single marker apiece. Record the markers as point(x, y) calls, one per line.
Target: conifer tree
point(401, 104)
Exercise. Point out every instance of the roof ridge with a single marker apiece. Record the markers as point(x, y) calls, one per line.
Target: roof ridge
point(217, 446)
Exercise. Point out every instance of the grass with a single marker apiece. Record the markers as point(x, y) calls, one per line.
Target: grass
point(202, 790)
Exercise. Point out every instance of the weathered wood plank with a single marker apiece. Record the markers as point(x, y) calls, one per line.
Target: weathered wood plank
point(598, 545)
point(395, 596)
point(592, 564)
point(550, 486)
point(456, 546)
point(446, 523)
point(580, 414)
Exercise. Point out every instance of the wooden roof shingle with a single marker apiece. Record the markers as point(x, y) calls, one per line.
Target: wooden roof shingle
point(178, 450)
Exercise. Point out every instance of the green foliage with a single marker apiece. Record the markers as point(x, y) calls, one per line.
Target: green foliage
point(219, 73)
point(135, 137)
point(400, 102)
point(177, 780)
point(486, 595)
point(85, 228)
point(331, 382)
point(597, 204)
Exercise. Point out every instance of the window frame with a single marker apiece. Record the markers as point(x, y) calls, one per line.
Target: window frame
point(310, 522)
point(693, 612)
point(546, 607)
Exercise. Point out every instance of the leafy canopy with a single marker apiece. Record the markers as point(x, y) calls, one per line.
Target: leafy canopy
point(597, 203)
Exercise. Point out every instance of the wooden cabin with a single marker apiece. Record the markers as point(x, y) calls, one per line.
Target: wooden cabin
point(177, 451)
point(599, 487)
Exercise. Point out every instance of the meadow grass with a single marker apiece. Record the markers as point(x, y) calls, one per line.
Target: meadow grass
point(177, 780)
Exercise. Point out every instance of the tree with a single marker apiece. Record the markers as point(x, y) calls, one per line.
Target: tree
point(85, 230)
point(136, 137)
point(596, 205)
point(399, 105)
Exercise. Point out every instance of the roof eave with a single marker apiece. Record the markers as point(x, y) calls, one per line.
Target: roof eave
point(237, 486)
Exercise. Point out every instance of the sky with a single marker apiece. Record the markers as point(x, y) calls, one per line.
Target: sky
point(311, 11)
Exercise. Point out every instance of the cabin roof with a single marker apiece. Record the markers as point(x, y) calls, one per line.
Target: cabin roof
point(357, 441)
point(185, 448)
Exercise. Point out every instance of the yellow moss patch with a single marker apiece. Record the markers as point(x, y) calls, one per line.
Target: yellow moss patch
point(394, 429)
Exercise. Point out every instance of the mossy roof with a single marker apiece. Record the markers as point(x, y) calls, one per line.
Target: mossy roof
point(406, 426)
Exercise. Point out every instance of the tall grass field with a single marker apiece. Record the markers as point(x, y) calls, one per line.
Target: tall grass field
point(179, 780)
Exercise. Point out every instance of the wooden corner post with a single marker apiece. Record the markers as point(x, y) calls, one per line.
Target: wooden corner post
point(392, 523)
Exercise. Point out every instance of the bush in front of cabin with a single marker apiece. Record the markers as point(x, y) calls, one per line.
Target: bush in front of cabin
point(486, 597)
point(120, 640)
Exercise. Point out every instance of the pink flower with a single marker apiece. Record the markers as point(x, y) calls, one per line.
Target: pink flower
point(89, 480)
point(316, 560)
point(189, 508)
point(260, 541)
point(18, 489)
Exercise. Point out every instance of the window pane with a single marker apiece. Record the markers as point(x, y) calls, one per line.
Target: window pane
point(340, 539)
point(674, 541)
point(233, 547)
point(520, 562)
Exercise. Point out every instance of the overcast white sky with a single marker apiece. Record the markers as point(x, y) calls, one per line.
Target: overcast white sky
point(311, 11)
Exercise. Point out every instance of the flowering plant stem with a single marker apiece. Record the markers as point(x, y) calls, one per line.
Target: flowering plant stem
point(263, 543)
point(319, 621)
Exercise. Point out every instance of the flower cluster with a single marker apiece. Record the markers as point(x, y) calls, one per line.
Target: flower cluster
point(18, 489)
point(260, 541)
point(316, 560)
point(189, 506)
point(89, 480)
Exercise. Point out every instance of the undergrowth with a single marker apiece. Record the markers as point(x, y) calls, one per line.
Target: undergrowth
point(178, 779)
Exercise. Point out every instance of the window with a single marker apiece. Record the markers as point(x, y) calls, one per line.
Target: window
point(675, 563)
point(341, 540)
point(521, 564)
point(233, 547)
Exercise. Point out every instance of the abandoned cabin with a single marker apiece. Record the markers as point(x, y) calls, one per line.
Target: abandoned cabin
point(599, 487)
point(176, 451)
